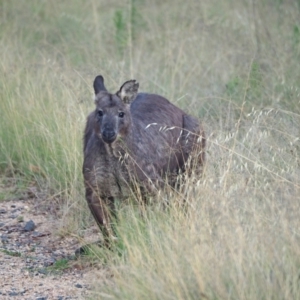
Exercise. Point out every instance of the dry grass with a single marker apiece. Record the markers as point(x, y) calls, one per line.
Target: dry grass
point(231, 63)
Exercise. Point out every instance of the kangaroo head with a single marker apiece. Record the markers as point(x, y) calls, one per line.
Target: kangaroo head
point(112, 113)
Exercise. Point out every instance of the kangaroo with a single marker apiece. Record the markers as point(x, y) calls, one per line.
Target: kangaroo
point(134, 137)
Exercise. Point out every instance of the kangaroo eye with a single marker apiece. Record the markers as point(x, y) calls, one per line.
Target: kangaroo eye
point(100, 113)
point(121, 114)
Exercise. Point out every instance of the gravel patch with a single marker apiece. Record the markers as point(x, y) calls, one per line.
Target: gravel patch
point(34, 262)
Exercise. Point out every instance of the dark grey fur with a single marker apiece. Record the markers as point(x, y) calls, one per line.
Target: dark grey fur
point(134, 137)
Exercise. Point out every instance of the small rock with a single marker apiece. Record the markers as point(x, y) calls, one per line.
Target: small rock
point(49, 262)
point(20, 219)
point(43, 271)
point(2, 224)
point(29, 226)
point(2, 211)
point(13, 294)
point(12, 206)
point(4, 238)
point(37, 234)
point(78, 286)
point(58, 253)
point(41, 298)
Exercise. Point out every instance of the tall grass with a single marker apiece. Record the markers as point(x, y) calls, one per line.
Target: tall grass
point(236, 238)
point(235, 233)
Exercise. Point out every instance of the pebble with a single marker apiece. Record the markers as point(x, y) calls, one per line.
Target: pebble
point(29, 226)
point(78, 286)
point(49, 262)
point(43, 271)
point(4, 238)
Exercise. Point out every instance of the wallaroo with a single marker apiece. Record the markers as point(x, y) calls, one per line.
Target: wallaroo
point(135, 138)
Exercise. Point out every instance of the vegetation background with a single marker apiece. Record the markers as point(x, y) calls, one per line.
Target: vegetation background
point(235, 65)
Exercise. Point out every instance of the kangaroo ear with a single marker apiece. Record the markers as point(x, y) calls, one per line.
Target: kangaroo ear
point(99, 84)
point(128, 91)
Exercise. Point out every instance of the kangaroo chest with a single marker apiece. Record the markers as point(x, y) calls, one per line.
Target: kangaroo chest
point(116, 166)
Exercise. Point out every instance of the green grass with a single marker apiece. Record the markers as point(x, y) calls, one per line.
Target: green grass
point(59, 266)
point(12, 188)
point(234, 64)
point(11, 253)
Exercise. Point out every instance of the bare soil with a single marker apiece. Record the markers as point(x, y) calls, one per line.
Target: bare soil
point(38, 263)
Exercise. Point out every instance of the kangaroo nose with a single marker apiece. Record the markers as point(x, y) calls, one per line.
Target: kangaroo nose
point(108, 136)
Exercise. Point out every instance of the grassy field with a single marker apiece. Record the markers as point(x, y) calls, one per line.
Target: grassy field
point(235, 65)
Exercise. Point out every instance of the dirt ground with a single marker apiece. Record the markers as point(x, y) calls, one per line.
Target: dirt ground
point(35, 262)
